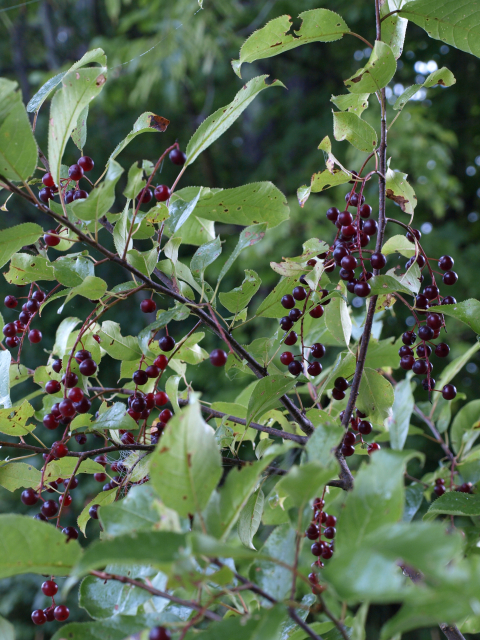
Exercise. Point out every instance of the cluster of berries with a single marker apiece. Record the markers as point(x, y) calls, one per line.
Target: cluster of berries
point(13, 330)
point(359, 427)
point(162, 192)
point(53, 612)
point(75, 174)
point(321, 526)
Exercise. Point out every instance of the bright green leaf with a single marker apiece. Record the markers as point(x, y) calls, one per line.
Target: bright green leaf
point(348, 126)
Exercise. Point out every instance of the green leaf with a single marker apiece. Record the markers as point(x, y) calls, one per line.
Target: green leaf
point(337, 319)
point(348, 126)
point(271, 577)
point(266, 395)
point(376, 74)
point(249, 204)
point(92, 288)
point(78, 89)
point(144, 261)
point(185, 469)
point(25, 268)
point(217, 123)
point(454, 503)
point(5, 360)
point(115, 417)
point(302, 483)
point(14, 238)
point(7, 630)
point(148, 122)
point(156, 548)
point(467, 311)
point(354, 102)
point(394, 27)
point(238, 298)
point(117, 628)
point(376, 396)
point(18, 149)
point(413, 500)
point(318, 25)
point(204, 256)
point(180, 212)
point(72, 270)
point(442, 77)
point(118, 346)
point(79, 134)
point(399, 244)
point(31, 546)
point(164, 317)
point(248, 237)
point(103, 599)
point(389, 284)
point(13, 421)
point(138, 511)
point(250, 518)
point(261, 625)
point(65, 467)
point(402, 412)
point(452, 21)
point(14, 475)
point(465, 426)
point(399, 190)
point(324, 439)
point(271, 306)
point(101, 198)
point(62, 335)
point(102, 499)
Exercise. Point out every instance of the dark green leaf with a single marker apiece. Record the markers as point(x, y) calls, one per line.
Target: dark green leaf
point(14, 238)
point(266, 395)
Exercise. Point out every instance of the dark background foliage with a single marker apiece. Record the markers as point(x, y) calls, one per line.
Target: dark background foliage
point(174, 59)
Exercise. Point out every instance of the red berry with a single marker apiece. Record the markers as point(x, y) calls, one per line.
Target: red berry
point(45, 194)
point(128, 438)
point(290, 339)
point(161, 362)
point(75, 394)
point(93, 511)
point(166, 343)
point(49, 508)
point(159, 633)
point(38, 617)
point(47, 179)
point(144, 196)
point(86, 163)
point(449, 277)
point(449, 392)
point(317, 312)
point(337, 394)
point(362, 289)
point(66, 500)
point(286, 358)
point(140, 377)
point(80, 195)
point(52, 386)
point(10, 302)
point(374, 446)
point(445, 263)
point(75, 172)
point(148, 306)
point(161, 398)
point(442, 350)
point(218, 357)
point(314, 369)
point(34, 336)
point(88, 367)
point(29, 497)
point(66, 408)
point(50, 422)
point(9, 330)
point(59, 450)
point(165, 415)
point(100, 477)
point(61, 613)
point(152, 371)
point(71, 533)
point(288, 301)
point(161, 193)
point(439, 490)
point(347, 449)
point(177, 157)
point(318, 350)
point(12, 342)
point(295, 368)
point(51, 240)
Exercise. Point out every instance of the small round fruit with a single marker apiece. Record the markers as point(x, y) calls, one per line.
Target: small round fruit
point(419, 367)
point(52, 386)
point(288, 301)
point(218, 357)
point(295, 314)
point(411, 235)
point(69, 195)
point(83, 406)
point(50, 422)
point(286, 323)
point(81, 438)
point(286, 358)
point(347, 450)
point(159, 633)
point(449, 277)
point(370, 227)
point(144, 196)
point(329, 532)
point(70, 532)
point(449, 392)
point(295, 368)
point(177, 157)
point(299, 293)
point(166, 343)
point(49, 588)
point(434, 320)
point(162, 193)
point(75, 172)
point(332, 214)
point(327, 553)
point(161, 362)
point(349, 438)
point(374, 446)
point(45, 194)
point(10, 302)
point(35, 336)
point(140, 377)
point(378, 260)
point(128, 438)
point(29, 497)
point(88, 367)
point(49, 508)
point(337, 394)
point(317, 312)
point(152, 371)
point(366, 211)
point(290, 339)
point(341, 384)
point(365, 427)
point(66, 408)
point(51, 240)
point(81, 194)
point(86, 163)
point(431, 292)
point(442, 350)
point(316, 548)
point(425, 332)
point(312, 532)
point(59, 450)
point(314, 369)
point(445, 263)
point(439, 490)
point(409, 337)
point(38, 617)
point(349, 263)
point(93, 511)
point(362, 289)
point(407, 362)
point(449, 300)
point(82, 355)
point(165, 416)
point(75, 394)
point(148, 306)
point(47, 179)
point(61, 613)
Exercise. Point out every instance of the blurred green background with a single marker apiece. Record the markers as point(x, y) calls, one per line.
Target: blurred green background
point(173, 58)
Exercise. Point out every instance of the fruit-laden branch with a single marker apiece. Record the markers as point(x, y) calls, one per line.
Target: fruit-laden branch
point(304, 424)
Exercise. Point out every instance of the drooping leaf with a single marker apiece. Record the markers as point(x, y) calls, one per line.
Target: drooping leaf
point(452, 21)
point(394, 27)
point(14, 238)
point(266, 395)
point(401, 413)
point(467, 311)
point(399, 190)
point(217, 123)
point(103, 498)
point(186, 466)
point(78, 89)
point(442, 77)
point(138, 511)
point(31, 546)
point(399, 244)
point(79, 134)
point(18, 149)
point(354, 102)
point(103, 600)
point(348, 126)
point(250, 518)
point(337, 319)
point(376, 74)
point(318, 25)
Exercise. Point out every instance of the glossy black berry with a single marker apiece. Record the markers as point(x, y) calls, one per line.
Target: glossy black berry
point(370, 227)
point(288, 301)
point(332, 214)
point(378, 260)
point(419, 367)
point(407, 362)
point(428, 384)
point(442, 350)
point(295, 368)
point(159, 633)
point(81, 194)
point(425, 332)
point(49, 508)
point(166, 343)
point(337, 394)
point(449, 392)
point(405, 351)
point(290, 339)
point(29, 497)
point(449, 277)
point(445, 263)
point(341, 384)
point(415, 233)
point(365, 427)
point(366, 211)
point(449, 300)
point(424, 350)
point(431, 292)
point(294, 314)
point(140, 377)
point(362, 289)
point(218, 357)
point(314, 369)
point(177, 157)
point(349, 263)
point(317, 312)
point(318, 350)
